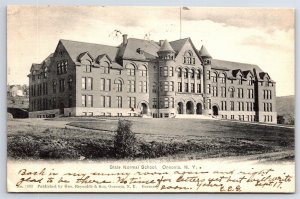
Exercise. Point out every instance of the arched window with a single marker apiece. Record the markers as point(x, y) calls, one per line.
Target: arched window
point(106, 68)
point(186, 73)
point(188, 58)
point(214, 77)
point(193, 74)
point(222, 78)
point(199, 74)
point(130, 70)
point(143, 71)
point(179, 72)
point(119, 84)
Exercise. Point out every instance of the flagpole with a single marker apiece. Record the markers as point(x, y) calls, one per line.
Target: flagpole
point(180, 21)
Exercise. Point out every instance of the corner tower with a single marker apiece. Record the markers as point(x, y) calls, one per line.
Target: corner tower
point(166, 80)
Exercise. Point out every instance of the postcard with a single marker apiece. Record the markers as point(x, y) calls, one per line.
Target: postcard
point(150, 99)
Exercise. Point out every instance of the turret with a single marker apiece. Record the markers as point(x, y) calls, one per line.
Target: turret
point(205, 55)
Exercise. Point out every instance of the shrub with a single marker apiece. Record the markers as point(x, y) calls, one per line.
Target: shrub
point(125, 142)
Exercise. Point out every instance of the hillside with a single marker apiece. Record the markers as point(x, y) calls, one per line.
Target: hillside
point(285, 105)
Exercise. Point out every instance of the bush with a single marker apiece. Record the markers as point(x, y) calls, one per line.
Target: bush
point(125, 142)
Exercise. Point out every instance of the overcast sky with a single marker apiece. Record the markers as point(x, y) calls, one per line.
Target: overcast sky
point(258, 36)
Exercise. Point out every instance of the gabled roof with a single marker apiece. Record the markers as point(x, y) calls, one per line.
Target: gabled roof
point(235, 65)
point(36, 67)
point(81, 55)
point(178, 44)
point(147, 49)
point(166, 47)
point(204, 53)
point(246, 72)
point(75, 48)
point(48, 60)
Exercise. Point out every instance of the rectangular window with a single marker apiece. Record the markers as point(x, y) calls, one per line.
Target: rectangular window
point(119, 101)
point(223, 92)
point(90, 101)
point(232, 105)
point(131, 102)
point(166, 102)
point(172, 102)
point(108, 101)
point(83, 101)
point(208, 74)
point(171, 69)
point(83, 85)
point(179, 87)
point(61, 85)
point(209, 103)
point(166, 71)
point(131, 86)
point(154, 88)
point(223, 105)
point(198, 88)
point(171, 86)
point(192, 87)
point(208, 89)
point(102, 101)
point(215, 91)
point(102, 84)
point(166, 86)
point(108, 85)
point(186, 87)
point(89, 83)
point(154, 103)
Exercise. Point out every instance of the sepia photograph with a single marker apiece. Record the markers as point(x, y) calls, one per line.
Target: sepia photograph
point(150, 99)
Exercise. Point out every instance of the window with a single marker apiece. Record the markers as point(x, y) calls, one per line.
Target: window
point(131, 86)
point(87, 83)
point(250, 93)
point(118, 83)
point(171, 86)
point(208, 74)
point(154, 88)
point(223, 91)
point(130, 70)
point(188, 58)
point(143, 71)
point(240, 79)
point(214, 91)
point(231, 92)
point(108, 85)
point(250, 81)
point(154, 103)
point(102, 101)
point(198, 74)
point(222, 78)
point(214, 77)
point(88, 68)
point(143, 86)
point(90, 101)
point(61, 85)
point(198, 88)
point(193, 74)
point(208, 89)
point(240, 93)
point(223, 105)
point(165, 86)
point(108, 101)
point(165, 71)
point(172, 102)
point(83, 100)
point(186, 73)
point(119, 101)
point(171, 71)
point(186, 87)
point(53, 85)
point(209, 103)
point(192, 87)
point(106, 69)
point(102, 84)
point(179, 87)
point(179, 72)
point(131, 102)
point(70, 82)
point(166, 102)
point(232, 105)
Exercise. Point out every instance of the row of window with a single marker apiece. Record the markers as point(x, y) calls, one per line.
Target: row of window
point(189, 88)
point(106, 101)
point(240, 106)
point(38, 89)
point(268, 107)
point(240, 92)
point(267, 94)
point(165, 102)
point(249, 118)
point(62, 67)
point(61, 85)
point(268, 118)
point(222, 77)
point(42, 75)
point(185, 73)
point(46, 104)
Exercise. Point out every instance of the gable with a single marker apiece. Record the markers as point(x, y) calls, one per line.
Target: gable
point(186, 50)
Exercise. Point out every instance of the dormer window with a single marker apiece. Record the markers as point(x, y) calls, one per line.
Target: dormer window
point(222, 78)
point(214, 77)
point(240, 80)
point(188, 58)
point(250, 81)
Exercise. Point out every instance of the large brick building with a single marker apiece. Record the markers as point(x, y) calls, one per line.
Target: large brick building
point(147, 78)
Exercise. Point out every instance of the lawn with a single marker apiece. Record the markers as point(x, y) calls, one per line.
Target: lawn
point(157, 138)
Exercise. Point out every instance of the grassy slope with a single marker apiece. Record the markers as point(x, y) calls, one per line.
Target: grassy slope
point(185, 139)
point(285, 105)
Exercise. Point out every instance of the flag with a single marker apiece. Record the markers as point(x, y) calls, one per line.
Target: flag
point(185, 8)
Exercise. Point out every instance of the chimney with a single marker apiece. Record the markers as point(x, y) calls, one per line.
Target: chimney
point(125, 39)
point(161, 42)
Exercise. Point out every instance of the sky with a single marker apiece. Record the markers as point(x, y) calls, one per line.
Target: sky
point(264, 37)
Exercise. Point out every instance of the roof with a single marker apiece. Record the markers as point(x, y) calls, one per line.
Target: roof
point(178, 44)
point(166, 47)
point(48, 60)
point(36, 67)
point(204, 53)
point(75, 48)
point(234, 65)
point(140, 49)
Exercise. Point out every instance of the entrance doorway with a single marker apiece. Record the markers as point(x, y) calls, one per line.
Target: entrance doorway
point(189, 107)
point(180, 108)
point(215, 110)
point(199, 109)
point(144, 109)
point(61, 109)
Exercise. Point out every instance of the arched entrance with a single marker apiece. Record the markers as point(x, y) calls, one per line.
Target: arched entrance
point(199, 109)
point(215, 110)
point(180, 108)
point(144, 108)
point(61, 109)
point(189, 107)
